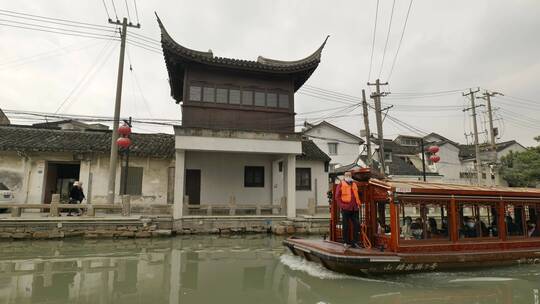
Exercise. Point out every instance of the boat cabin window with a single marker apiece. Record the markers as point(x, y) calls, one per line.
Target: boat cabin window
point(424, 221)
point(477, 220)
point(514, 219)
point(383, 218)
point(532, 220)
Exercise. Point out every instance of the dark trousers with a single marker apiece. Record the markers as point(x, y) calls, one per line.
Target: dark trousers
point(347, 218)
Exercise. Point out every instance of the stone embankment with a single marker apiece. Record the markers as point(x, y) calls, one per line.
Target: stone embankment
point(154, 226)
point(95, 228)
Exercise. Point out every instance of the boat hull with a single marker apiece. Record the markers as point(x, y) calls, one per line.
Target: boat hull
point(371, 262)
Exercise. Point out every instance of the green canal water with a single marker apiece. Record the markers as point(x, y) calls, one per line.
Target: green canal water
point(243, 269)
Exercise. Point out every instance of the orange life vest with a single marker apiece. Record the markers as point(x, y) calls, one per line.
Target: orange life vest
point(346, 192)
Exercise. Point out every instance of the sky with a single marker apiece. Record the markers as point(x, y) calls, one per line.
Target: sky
point(447, 46)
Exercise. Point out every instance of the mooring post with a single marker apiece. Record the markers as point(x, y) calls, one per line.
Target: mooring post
point(126, 205)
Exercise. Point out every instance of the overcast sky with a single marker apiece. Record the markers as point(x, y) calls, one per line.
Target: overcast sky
point(448, 45)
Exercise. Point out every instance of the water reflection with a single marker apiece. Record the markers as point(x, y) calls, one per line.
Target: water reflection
point(250, 269)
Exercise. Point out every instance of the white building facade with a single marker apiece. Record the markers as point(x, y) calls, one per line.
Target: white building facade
point(343, 147)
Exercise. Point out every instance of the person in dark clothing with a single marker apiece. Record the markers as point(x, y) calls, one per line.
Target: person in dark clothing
point(348, 199)
point(76, 196)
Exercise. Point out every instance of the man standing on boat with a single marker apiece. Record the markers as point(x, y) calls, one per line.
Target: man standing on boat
point(348, 199)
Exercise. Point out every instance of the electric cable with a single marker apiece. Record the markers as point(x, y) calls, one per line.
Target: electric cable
point(400, 41)
point(373, 40)
point(387, 37)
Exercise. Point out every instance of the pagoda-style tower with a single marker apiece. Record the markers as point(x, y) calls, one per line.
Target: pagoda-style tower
point(225, 93)
point(237, 143)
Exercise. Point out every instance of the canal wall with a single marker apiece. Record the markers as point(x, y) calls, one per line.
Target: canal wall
point(55, 228)
point(156, 226)
point(278, 225)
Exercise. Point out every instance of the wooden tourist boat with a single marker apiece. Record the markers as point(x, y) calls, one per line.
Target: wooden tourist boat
point(419, 226)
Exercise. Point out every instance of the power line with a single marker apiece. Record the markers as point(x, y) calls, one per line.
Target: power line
point(56, 19)
point(106, 10)
point(51, 53)
point(127, 9)
point(400, 40)
point(336, 93)
point(373, 40)
point(136, 10)
point(134, 76)
point(387, 37)
point(98, 58)
point(68, 33)
point(114, 8)
point(63, 23)
point(52, 27)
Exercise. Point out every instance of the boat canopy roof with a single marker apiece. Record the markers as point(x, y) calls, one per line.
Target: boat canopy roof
point(433, 189)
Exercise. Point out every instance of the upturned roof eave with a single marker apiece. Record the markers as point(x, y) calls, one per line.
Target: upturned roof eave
point(173, 49)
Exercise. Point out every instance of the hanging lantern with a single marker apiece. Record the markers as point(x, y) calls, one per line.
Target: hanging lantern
point(433, 149)
point(124, 130)
point(435, 158)
point(123, 142)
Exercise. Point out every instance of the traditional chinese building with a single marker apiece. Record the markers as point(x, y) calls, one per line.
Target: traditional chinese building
point(237, 143)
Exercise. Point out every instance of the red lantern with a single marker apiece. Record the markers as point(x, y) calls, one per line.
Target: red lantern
point(435, 158)
point(124, 130)
point(433, 149)
point(123, 142)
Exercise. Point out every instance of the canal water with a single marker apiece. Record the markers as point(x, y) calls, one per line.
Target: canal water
point(235, 269)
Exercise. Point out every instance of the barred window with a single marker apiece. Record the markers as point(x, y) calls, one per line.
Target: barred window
point(209, 94)
point(222, 95)
point(247, 98)
point(234, 96)
point(303, 178)
point(195, 93)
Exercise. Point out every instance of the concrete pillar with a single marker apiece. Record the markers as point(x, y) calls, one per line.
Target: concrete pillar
point(55, 200)
point(290, 184)
point(179, 184)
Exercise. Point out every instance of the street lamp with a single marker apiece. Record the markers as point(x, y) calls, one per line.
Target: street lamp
point(124, 142)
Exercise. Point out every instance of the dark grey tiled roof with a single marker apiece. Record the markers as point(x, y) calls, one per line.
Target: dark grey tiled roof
point(468, 151)
point(177, 56)
point(31, 139)
point(310, 151)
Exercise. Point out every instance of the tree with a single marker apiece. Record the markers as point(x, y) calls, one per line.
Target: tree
point(522, 169)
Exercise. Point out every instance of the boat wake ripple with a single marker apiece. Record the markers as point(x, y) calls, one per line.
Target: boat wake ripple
point(316, 270)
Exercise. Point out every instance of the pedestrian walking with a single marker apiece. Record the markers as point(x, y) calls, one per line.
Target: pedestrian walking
point(76, 196)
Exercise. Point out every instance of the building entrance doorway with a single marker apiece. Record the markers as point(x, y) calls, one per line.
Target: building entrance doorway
point(60, 179)
point(193, 186)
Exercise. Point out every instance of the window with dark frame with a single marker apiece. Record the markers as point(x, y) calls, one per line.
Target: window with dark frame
point(209, 94)
point(477, 220)
point(222, 95)
point(195, 93)
point(234, 96)
point(284, 101)
point(260, 99)
point(424, 220)
point(134, 181)
point(271, 100)
point(254, 176)
point(332, 148)
point(303, 179)
point(247, 98)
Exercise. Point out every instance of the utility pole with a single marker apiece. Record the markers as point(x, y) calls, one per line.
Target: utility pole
point(487, 96)
point(423, 158)
point(114, 136)
point(378, 116)
point(366, 126)
point(475, 129)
